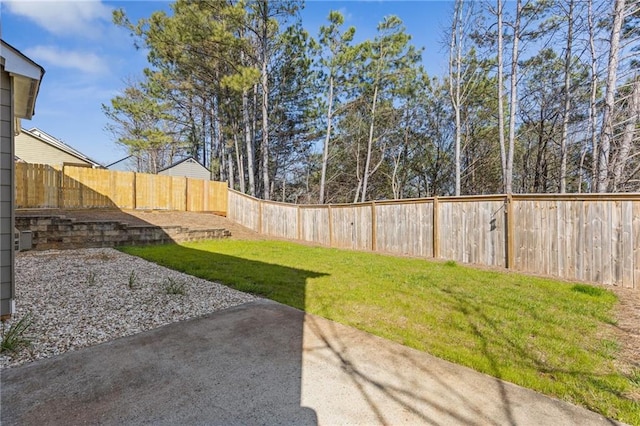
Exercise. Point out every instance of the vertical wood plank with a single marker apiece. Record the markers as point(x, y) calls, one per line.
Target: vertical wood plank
point(330, 225)
point(562, 240)
point(594, 213)
point(435, 229)
point(526, 241)
point(616, 242)
point(579, 231)
point(607, 241)
point(636, 243)
point(585, 250)
point(299, 223)
point(570, 245)
point(627, 243)
point(510, 231)
point(552, 223)
point(373, 227)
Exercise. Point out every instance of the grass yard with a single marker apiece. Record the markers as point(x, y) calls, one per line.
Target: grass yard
point(546, 335)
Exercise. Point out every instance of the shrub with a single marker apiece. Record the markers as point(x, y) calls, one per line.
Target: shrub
point(14, 338)
point(172, 286)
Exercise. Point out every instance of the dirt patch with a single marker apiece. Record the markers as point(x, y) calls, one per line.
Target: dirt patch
point(627, 329)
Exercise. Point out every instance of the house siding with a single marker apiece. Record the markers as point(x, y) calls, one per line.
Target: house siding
point(189, 168)
point(33, 150)
point(6, 193)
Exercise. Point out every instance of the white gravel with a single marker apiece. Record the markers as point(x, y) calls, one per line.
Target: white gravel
point(79, 298)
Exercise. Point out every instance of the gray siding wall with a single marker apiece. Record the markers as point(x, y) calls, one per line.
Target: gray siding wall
point(6, 193)
point(190, 169)
point(33, 150)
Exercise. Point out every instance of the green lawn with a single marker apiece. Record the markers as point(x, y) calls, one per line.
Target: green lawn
point(546, 335)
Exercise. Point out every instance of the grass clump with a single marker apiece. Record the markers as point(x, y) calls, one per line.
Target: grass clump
point(14, 338)
point(589, 290)
point(634, 377)
point(91, 278)
point(173, 287)
point(133, 280)
point(543, 334)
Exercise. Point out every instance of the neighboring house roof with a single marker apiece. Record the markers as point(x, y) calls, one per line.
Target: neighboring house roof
point(58, 144)
point(26, 76)
point(188, 167)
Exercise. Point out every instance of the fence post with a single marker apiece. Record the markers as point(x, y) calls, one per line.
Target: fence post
point(259, 216)
point(510, 232)
point(435, 230)
point(374, 236)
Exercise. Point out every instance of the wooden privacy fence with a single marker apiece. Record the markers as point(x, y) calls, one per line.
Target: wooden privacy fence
point(593, 238)
point(43, 186)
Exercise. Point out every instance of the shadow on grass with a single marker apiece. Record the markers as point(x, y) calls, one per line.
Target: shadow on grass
point(491, 335)
point(383, 395)
point(276, 282)
point(289, 286)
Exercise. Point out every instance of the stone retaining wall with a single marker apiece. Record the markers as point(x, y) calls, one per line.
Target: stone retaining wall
point(58, 232)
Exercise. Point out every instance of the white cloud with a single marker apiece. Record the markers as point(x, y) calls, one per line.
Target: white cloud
point(86, 62)
point(79, 17)
point(348, 16)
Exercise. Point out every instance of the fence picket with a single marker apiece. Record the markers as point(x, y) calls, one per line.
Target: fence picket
point(43, 186)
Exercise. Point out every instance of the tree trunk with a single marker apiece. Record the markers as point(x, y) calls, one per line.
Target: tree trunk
point(265, 103)
point(265, 133)
point(217, 148)
point(593, 112)
point(455, 59)
point(513, 101)
point(239, 164)
point(567, 102)
point(607, 114)
point(357, 195)
point(230, 172)
point(540, 155)
point(396, 183)
point(325, 150)
point(203, 135)
point(284, 189)
point(628, 134)
point(249, 144)
point(367, 164)
point(503, 151)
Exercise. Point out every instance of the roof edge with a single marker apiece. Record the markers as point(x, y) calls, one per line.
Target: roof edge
point(191, 157)
point(60, 145)
point(27, 76)
point(18, 63)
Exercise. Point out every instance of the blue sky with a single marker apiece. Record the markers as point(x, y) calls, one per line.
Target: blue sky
point(87, 58)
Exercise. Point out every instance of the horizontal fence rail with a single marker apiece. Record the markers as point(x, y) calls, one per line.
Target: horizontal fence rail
point(43, 186)
point(584, 237)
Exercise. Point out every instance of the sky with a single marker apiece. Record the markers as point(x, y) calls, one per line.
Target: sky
point(87, 58)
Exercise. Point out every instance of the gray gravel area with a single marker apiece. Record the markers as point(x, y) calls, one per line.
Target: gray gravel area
point(79, 298)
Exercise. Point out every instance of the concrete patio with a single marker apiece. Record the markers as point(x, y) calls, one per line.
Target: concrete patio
point(266, 363)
